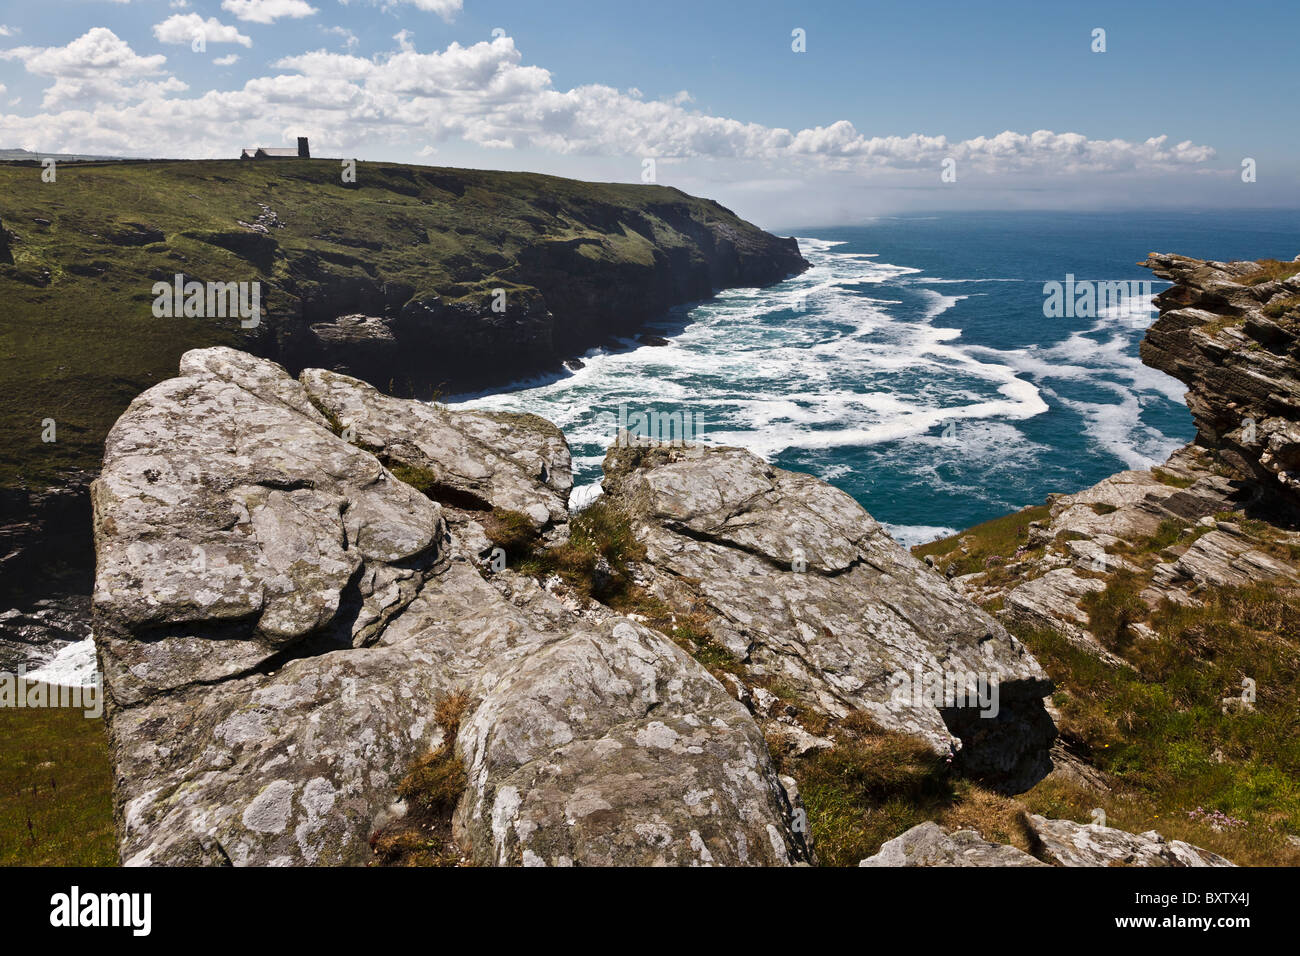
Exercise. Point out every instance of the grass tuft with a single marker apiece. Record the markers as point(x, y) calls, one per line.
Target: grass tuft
point(431, 788)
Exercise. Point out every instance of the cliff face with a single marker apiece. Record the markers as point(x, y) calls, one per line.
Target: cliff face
point(413, 278)
point(1231, 332)
point(581, 274)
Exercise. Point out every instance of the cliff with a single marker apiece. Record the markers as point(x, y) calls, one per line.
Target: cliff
point(414, 278)
point(1231, 332)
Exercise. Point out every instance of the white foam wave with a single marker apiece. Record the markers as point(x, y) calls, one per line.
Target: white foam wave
point(72, 666)
point(910, 535)
point(842, 357)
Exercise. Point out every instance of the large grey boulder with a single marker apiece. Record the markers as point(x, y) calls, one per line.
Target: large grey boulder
point(1059, 842)
point(277, 616)
point(805, 589)
point(231, 525)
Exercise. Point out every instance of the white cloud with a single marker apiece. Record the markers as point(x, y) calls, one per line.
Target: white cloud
point(447, 9)
point(349, 38)
point(484, 95)
point(268, 11)
point(226, 60)
point(179, 4)
point(96, 67)
point(97, 51)
point(6, 31)
point(186, 27)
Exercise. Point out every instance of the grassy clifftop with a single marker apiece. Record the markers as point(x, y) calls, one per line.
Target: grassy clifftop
point(421, 249)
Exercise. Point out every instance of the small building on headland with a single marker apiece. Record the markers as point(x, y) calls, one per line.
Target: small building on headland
point(263, 152)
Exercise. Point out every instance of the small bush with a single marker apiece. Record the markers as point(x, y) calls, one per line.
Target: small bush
point(595, 559)
point(1169, 478)
point(511, 531)
point(1276, 309)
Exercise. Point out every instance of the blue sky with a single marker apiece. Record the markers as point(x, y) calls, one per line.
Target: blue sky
point(860, 124)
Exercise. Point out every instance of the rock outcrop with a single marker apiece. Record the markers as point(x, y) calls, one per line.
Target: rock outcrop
point(289, 589)
point(1222, 511)
point(277, 615)
point(1233, 336)
point(1056, 843)
point(805, 589)
point(928, 844)
point(1066, 843)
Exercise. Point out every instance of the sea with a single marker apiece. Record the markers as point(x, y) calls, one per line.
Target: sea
point(918, 365)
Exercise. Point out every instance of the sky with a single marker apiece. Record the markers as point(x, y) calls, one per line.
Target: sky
point(796, 113)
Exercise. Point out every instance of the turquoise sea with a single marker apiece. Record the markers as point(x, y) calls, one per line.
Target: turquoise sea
point(913, 365)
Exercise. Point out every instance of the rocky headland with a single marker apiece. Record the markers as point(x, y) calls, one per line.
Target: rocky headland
point(287, 627)
point(338, 627)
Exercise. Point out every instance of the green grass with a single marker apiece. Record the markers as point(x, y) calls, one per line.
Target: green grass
point(1168, 478)
point(79, 345)
point(1157, 726)
point(993, 541)
point(1270, 269)
point(511, 531)
point(56, 803)
point(1113, 611)
point(1280, 307)
point(868, 789)
point(600, 531)
point(432, 787)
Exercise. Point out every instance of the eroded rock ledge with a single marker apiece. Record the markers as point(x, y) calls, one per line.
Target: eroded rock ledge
point(279, 614)
point(1233, 336)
